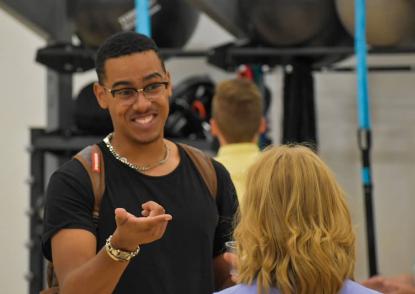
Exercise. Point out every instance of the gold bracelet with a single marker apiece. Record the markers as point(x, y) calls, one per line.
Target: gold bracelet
point(117, 254)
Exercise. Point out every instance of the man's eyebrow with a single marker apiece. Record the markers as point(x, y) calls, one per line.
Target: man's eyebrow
point(146, 78)
point(152, 75)
point(121, 83)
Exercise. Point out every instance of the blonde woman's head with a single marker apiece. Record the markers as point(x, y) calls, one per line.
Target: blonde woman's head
point(294, 230)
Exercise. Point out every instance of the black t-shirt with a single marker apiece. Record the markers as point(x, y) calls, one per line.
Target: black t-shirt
point(181, 261)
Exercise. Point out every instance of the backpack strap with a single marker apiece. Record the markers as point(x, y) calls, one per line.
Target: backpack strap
point(205, 167)
point(92, 160)
point(52, 280)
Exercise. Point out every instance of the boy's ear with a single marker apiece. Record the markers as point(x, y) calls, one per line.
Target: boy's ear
point(262, 126)
point(214, 127)
point(101, 96)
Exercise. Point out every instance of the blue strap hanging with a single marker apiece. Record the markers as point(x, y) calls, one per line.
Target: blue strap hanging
point(143, 17)
point(364, 133)
point(361, 52)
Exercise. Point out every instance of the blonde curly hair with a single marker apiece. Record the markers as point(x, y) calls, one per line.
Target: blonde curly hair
point(294, 229)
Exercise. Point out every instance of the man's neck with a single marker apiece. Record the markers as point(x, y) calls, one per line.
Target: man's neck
point(139, 153)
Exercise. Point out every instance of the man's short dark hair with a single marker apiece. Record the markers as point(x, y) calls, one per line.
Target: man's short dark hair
point(120, 44)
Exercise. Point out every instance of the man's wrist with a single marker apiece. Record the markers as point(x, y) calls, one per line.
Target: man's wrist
point(119, 254)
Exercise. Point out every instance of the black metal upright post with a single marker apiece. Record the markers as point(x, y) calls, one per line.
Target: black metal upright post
point(365, 142)
point(35, 276)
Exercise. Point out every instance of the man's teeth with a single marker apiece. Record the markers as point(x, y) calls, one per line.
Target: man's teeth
point(144, 120)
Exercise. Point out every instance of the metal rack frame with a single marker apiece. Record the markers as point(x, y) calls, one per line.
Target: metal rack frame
point(61, 146)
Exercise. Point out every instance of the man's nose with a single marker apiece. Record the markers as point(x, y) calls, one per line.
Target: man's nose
point(141, 101)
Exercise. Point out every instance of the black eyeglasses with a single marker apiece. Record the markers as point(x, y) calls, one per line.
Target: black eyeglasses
point(129, 96)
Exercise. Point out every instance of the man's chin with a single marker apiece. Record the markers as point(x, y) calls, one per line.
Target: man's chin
point(148, 140)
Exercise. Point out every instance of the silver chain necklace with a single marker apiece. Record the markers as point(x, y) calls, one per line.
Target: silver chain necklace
point(142, 168)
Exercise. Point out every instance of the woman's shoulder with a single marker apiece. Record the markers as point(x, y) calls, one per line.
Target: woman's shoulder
point(244, 289)
point(351, 287)
point(239, 289)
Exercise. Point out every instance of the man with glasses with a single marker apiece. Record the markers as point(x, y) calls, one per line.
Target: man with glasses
point(153, 192)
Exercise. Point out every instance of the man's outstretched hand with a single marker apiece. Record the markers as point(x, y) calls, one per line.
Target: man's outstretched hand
point(133, 231)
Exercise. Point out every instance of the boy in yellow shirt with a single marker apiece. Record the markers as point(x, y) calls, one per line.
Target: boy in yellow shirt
point(237, 122)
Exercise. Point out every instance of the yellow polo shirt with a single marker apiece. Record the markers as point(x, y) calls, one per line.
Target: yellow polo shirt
point(237, 158)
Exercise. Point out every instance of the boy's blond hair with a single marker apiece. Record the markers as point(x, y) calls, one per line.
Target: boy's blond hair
point(237, 110)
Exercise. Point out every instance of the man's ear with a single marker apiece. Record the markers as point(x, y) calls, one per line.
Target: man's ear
point(101, 96)
point(262, 126)
point(214, 130)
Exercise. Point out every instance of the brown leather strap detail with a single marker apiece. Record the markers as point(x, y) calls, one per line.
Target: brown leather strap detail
point(205, 167)
point(50, 276)
point(92, 160)
point(52, 290)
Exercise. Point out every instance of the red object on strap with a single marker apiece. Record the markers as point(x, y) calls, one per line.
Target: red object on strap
point(95, 162)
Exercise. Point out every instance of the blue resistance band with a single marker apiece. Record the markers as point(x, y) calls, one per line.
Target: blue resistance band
point(361, 53)
point(143, 17)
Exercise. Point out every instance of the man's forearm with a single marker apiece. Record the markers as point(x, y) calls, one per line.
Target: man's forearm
point(99, 275)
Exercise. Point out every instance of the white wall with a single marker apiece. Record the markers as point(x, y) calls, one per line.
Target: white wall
point(23, 96)
point(393, 109)
point(393, 104)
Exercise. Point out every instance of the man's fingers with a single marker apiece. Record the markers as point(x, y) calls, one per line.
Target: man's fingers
point(139, 230)
point(161, 229)
point(121, 216)
point(153, 220)
point(146, 223)
point(153, 223)
point(153, 208)
point(230, 258)
point(151, 205)
point(150, 228)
